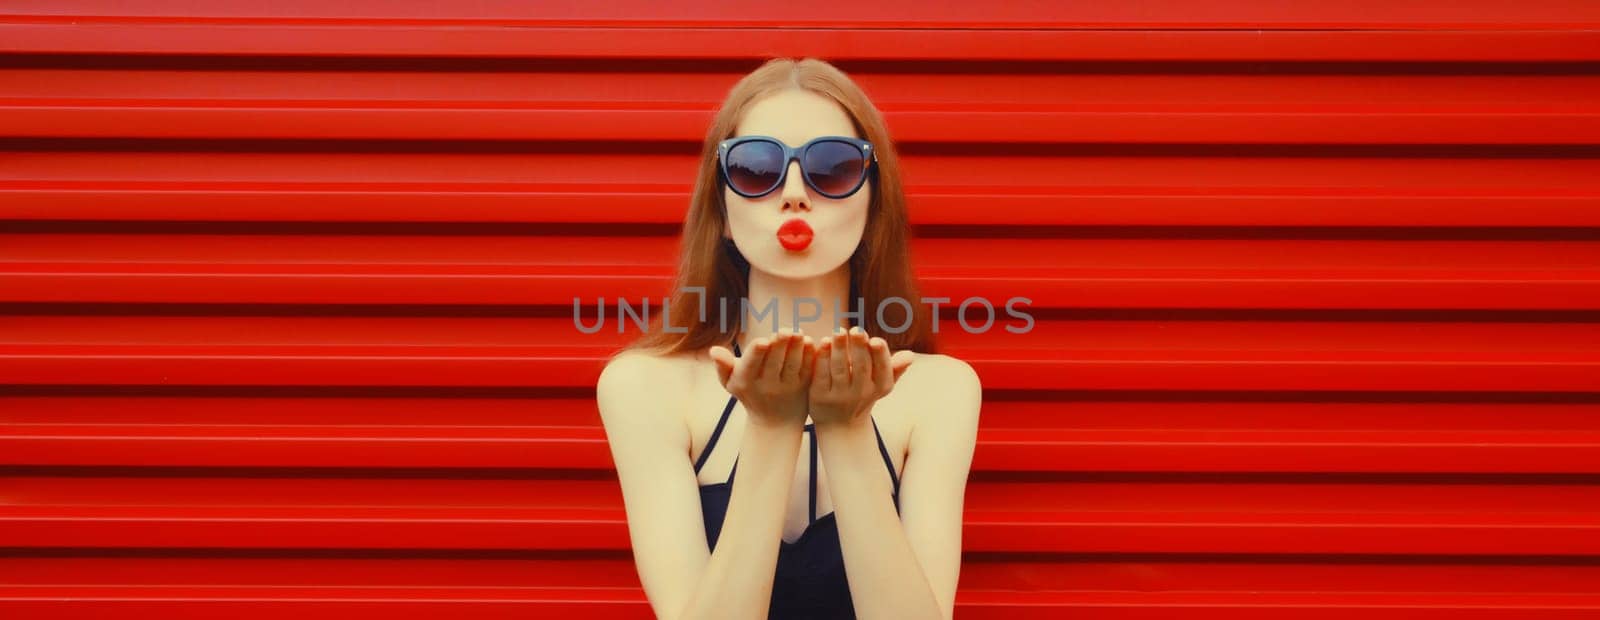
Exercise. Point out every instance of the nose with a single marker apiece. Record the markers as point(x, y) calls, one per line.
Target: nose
point(795, 196)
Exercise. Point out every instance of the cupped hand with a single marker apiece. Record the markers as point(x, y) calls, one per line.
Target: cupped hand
point(852, 372)
point(771, 378)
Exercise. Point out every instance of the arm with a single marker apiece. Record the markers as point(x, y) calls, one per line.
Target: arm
point(907, 565)
point(650, 449)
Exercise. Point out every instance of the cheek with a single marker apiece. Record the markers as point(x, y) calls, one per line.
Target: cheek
point(738, 212)
point(847, 224)
point(856, 210)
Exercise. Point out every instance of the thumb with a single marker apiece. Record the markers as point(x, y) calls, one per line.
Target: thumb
point(725, 360)
point(900, 361)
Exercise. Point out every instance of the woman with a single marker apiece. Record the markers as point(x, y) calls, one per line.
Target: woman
point(781, 472)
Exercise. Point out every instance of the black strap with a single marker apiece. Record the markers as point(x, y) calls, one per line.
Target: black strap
point(887, 462)
point(716, 434)
point(813, 432)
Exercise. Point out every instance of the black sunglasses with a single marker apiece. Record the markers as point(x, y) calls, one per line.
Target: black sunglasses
point(835, 166)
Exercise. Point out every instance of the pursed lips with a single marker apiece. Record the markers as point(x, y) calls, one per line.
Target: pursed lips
point(795, 234)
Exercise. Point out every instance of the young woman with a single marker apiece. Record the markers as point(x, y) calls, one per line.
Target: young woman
point(774, 462)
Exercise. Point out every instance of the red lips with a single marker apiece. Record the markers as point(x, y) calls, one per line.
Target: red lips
point(795, 234)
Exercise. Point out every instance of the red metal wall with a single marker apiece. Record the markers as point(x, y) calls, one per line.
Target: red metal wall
point(287, 294)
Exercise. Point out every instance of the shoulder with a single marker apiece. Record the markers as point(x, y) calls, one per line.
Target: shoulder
point(640, 383)
point(631, 367)
point(948, 393)
point(634, 369)
point(944, 373)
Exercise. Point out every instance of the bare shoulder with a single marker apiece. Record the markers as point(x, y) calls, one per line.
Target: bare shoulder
point(640, 384)
point(937, 370)
point(947, 385)
point(634, 370)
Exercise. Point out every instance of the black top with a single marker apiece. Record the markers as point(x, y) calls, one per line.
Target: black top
point(810, 579)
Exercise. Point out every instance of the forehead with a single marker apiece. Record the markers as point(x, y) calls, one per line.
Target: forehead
point(795, 117)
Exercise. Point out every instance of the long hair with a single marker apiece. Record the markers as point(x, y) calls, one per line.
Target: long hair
point(880, 267)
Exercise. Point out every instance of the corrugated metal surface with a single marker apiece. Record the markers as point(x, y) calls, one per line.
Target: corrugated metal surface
point(286, 322)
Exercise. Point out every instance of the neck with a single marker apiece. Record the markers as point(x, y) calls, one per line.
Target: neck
point(826, 295)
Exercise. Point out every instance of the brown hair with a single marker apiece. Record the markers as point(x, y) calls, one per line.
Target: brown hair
point(880, 267)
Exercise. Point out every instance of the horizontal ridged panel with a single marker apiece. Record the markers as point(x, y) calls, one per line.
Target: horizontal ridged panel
point(286, 295)
point(1059, 517)
point(543, 352)
point(506, 105)
point(1042, 273)
point(1245, 186)
point(245, 585)
point(842, 14)
point(1019, 436)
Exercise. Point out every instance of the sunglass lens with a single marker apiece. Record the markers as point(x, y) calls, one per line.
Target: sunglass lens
point(754, 167)
point(834, 167)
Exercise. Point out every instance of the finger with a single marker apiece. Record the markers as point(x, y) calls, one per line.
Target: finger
point(822, 377)
point(793, 357)
point(774, 363)
point(860, 357)
point(880, 363)
point(725, 361)
point(807, 359)
point(839, 360)
point(757, 358)
point(901, 361)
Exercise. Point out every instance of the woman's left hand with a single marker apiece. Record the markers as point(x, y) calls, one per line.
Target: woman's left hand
point(851, 373)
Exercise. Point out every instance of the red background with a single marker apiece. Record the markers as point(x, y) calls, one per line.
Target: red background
point(285, 297)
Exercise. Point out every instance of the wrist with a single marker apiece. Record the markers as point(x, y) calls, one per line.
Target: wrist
point(858, 420)
point(776, 420)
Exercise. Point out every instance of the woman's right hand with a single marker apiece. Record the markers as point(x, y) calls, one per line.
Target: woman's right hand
point(772, 378)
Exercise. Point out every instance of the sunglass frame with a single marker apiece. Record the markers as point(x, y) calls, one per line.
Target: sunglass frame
point(791, 154)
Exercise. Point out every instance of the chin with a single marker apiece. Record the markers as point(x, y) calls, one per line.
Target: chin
point(803, 265)
point(796, 272)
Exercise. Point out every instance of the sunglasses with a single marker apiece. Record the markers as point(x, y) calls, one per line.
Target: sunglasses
point(834, 166)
